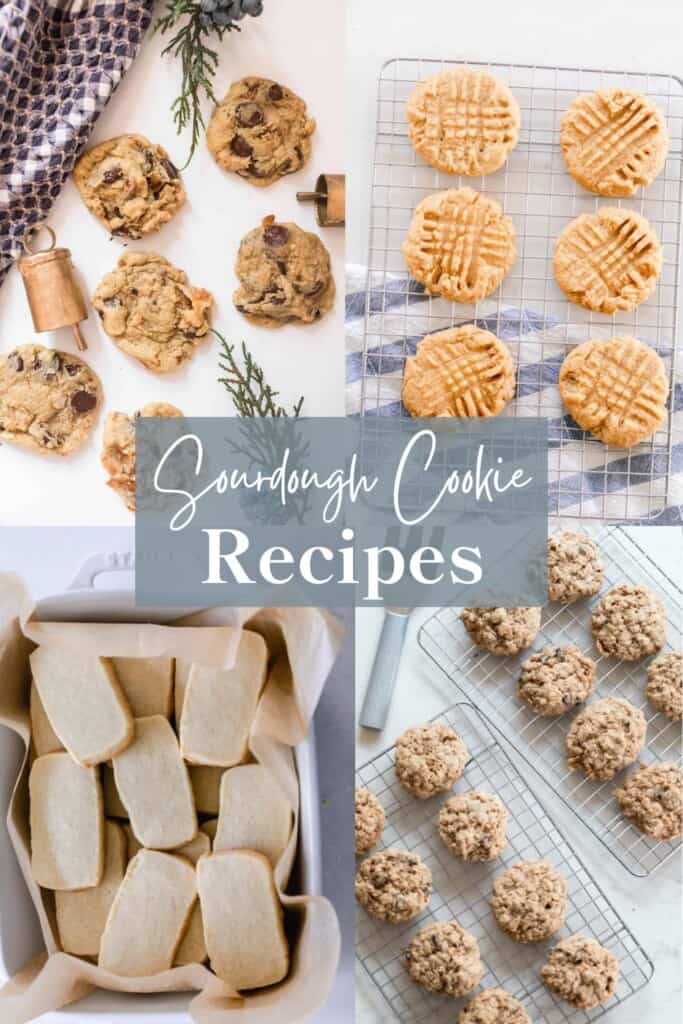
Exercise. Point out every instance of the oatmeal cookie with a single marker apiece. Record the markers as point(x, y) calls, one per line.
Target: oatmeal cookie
point(555, 679)
point(664, 688)
point(502, 630)
point(529, 900)
point(651, 798)
point(605, 737)
point(118, 448)
point(445, 958)
point(494, 1006)
point(393, 885)
point(260, 130)
point(369, 820)
point(152, 312)
point(49, 400)
point(130, 185)
point(629, 623)
point(581, 971)
point(473, 826)
point(284, 274)
point(574, 567)
point(429, 759)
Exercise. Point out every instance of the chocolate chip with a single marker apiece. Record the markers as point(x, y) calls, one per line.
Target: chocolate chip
point(240, 147)
point(275, 235)
point(72, 369)
point(249, 114)
point(15, 361)
point(275, 93)
point(83, 401)
point(254, 171)
point(282, 267)
point(111, 175)
point(170, 169)
point(52, 368)
point(275, 298)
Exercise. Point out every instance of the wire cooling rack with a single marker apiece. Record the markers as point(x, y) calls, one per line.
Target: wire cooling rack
point(462, 891)
point(529, 311)
point(491, 682)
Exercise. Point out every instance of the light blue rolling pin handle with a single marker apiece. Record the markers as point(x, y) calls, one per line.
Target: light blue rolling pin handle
point(384, 670)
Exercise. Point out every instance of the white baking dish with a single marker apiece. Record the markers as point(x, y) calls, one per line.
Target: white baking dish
point(20, 937)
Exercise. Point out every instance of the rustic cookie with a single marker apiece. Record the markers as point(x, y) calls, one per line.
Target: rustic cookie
point(393, 885)
point(118, 447)
point(574, 567)
point(82, 915)
point(473, 825)
point(429, 759)
point(502, 630)
point(605, 737)
point(617, 389)
point(152, 312)
point(255, 813)
point(130, 185)
point(493, 1006)
point(463, 121)
point(147, 684)
point(369, 820)
point(284, 274)
point(664, 688)
point(555, 679)
point(614, 140)
point(445, 958)
point(651, 798)
point(459, 245)
point(463, 371)
point(629, 622)
point(529, 900)
point(581, 971)
point(49, 400)
point(260, 130)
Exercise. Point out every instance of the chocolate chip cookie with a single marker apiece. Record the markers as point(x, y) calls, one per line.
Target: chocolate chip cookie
point(629, 622)
point(393, 885)
point(284, 274)
point(494, 1006)
point(502, 630)
point(445, 958)
point(664, 688)
point(130, 184)
point(429, 759)
point(369, 820)
point(555, 679)
point(529, 901)
point(581, 971)
point(260, 130)
point(152, 312)
point(118, 448)
point(49, 400)
point(651, 798)
point(574, 567)
point(605, 737)
point(473, 826)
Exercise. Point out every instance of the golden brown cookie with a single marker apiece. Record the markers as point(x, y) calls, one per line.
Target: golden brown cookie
point(463, 371)
point(118, 448)
point(393, 885)
point(581, 971)
point(614, 140)
point(445, 958)
point(463, 121)
point(608, 261)
point(617, 389)
point(459, 245)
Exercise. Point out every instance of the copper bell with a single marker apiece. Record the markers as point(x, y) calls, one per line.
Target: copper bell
point(54, 298)
point(330, 200)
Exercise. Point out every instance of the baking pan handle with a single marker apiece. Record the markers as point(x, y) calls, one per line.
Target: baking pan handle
point(114, 561)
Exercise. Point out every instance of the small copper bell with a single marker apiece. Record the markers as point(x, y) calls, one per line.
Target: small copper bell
point(54, 298)
point(330, 200)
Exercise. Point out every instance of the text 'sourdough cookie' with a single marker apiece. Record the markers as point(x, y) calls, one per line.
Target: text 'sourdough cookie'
point(614, 140)
point(460, 245)
point(605, 737)
point(494, 1006)
point(502, 630)
point(664, 688)
point(581, 971)
point(463, 121)
point(463, 371)
point(49, 400)
point(555, 679)
point(119, 448)
point(254, 813)
point(393, 885)
point(429, 759)
point(616, 389)
point(651, 798)
point(529, 900)
point(82, 915)
point(445, 958)
point(574, 567)
point(629, 622)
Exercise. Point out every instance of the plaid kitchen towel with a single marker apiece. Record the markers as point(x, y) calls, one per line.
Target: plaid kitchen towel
point(60, 61)
point(585, 478)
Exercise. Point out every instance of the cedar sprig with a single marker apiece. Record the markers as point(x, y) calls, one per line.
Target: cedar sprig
point(247, 386)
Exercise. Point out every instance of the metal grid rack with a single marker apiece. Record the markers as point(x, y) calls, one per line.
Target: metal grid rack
point(491, 682)
point(462, 891)
point(529, 311)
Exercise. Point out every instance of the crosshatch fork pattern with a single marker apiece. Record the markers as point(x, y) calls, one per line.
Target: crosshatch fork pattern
point(462, 891)
point(492, 682)
point(529, 311)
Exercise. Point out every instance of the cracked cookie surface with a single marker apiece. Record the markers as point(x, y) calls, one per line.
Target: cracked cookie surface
point(494, 1006)
point(574, 567)
point(118, 448)
point(429, 759)
point(473, 826)
point(393, 885)
point(664, 688)
point(369, 820)
point(445, 958)
point(605, 737)
point(502, 630)
point(629, 622)
point(651, 798)
point(555, 679)
point(529, 900)
point(581, 971)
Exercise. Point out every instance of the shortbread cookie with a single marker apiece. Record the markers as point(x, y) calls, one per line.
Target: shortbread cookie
point(147, 684)
point(81, 916)
point(616, 389)
point(459, 245)
point(129, 184)
point(49, 400)
point(67, 824)
point(664, 688)
point(529, 901)
point(608, 261)
point(84, 702)
point(237, 886)
point(113, 806)
point(494, 1006)
point(605, 737)
point(152, 312)
point(473, 826)
point(445, 958)
point(206, 785)
point(149, 915)
point(208, 735)
point(254, 813)
point(502, 630)
point(574, 567)
point(463, 121)
point(118, 447)
point(555, 679)
point(182, 678)
point(429, 759)
point(614, 140)
point(393, 885)
point(192, 948)
point(651, 798)
point(260, 130)
point(463, 371)
point(629, 622)
point(285, 275)
point(45, 739)
point(581, 971)
point(370, 819)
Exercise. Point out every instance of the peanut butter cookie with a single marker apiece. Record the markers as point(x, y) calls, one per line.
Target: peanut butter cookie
point(605, 737)
point(445, 958)
point(473, 826)
point(393, 885)
point(502, 630)
point(555, 679)
point(369, 820)
point(664, 688)
point(529, 900)
point(651, 798)
point(118, 448)
point(494, 1006)
point(429, 759)
point(574, 567)
point(581, 971)
point(629, 622)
